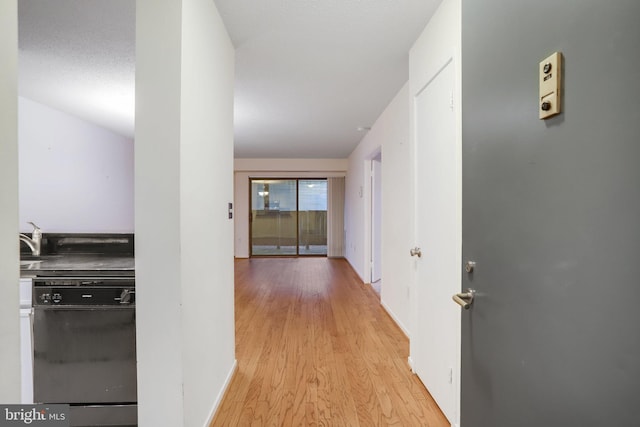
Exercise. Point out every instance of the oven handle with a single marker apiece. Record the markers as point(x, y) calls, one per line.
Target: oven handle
point(125, 296)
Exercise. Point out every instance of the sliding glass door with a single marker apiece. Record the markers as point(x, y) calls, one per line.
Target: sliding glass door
point(274, 217)
point(288, 217)
point(312, 217)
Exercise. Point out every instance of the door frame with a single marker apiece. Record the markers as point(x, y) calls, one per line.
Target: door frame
point(431, 73)
point(376, 219)
point(365, 193)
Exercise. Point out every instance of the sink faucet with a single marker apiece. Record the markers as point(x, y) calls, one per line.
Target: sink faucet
point(34, 241)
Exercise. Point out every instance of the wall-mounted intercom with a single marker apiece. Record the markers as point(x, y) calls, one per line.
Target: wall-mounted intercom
point(550, 75)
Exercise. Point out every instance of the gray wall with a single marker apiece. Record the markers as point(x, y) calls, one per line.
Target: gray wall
point(552, 215)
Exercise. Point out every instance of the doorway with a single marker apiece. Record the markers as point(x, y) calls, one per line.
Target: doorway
point(288, 217)
point(376, 222)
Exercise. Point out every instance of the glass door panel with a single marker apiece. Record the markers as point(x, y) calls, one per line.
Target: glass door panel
point(274, 217)
point(312, 213)
point(288, 217)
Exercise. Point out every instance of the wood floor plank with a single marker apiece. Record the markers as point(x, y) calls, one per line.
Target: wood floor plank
point(315, 348)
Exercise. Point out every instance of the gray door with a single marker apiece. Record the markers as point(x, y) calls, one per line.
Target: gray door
point(551, 215)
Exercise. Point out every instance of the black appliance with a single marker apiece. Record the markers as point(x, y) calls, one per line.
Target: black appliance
point(84, 339)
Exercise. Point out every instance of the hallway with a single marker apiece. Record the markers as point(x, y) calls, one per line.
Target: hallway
point(314, 347)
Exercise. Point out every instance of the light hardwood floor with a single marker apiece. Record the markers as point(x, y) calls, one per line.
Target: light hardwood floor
point(315, 348)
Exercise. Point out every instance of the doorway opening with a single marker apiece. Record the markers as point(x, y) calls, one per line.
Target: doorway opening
point(288, 217)
point(376, 223)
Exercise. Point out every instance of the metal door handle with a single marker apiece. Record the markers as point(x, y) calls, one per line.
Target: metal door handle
point(465, 299)
point(416, 252)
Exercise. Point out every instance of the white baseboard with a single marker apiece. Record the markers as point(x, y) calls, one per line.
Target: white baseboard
point(220, 396)
point(395, 319)
point(354, 270)
point(410, 362)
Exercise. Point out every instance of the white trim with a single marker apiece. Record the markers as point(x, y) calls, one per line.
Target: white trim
point(366, 197)
point(366, 236)
point(225, 386)
point(450, 59)
point(396, 320)
point(356, 271)
point(410, 362)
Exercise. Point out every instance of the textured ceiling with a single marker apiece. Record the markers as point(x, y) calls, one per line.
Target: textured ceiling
point(308, 72)
point(78, 56)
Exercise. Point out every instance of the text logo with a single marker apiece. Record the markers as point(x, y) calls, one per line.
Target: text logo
point(34, 415)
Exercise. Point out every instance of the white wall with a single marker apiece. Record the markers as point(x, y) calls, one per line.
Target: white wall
point(439, 43)
point(9, 265)
point(290, 165)
point(440, 40)
point(390, 133)
point(279, 168)
point(206, 162)
point(75, 177)
point(183, 181)
point(157, 213)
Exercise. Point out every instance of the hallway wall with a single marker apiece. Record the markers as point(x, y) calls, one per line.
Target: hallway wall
point(184, 240)
point(438, 45)
point(276, 168)
point(390, 136)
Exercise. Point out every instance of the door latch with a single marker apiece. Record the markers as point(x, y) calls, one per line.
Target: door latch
point(469, 266)
point(465, 299)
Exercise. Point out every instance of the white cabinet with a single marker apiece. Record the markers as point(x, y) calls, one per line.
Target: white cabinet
point(26, 347)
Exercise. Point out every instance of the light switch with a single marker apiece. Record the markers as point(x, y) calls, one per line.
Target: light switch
point(549, 102)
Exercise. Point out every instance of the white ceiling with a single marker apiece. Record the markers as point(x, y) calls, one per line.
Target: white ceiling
point(308, 72)
point(78, 56)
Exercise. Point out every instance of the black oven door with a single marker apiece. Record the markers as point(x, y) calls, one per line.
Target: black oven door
point(86, 357)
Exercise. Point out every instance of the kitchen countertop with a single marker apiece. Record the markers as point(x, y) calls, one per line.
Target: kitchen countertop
point(77, 264)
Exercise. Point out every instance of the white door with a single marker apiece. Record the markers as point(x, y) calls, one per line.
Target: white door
point(435, 347)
